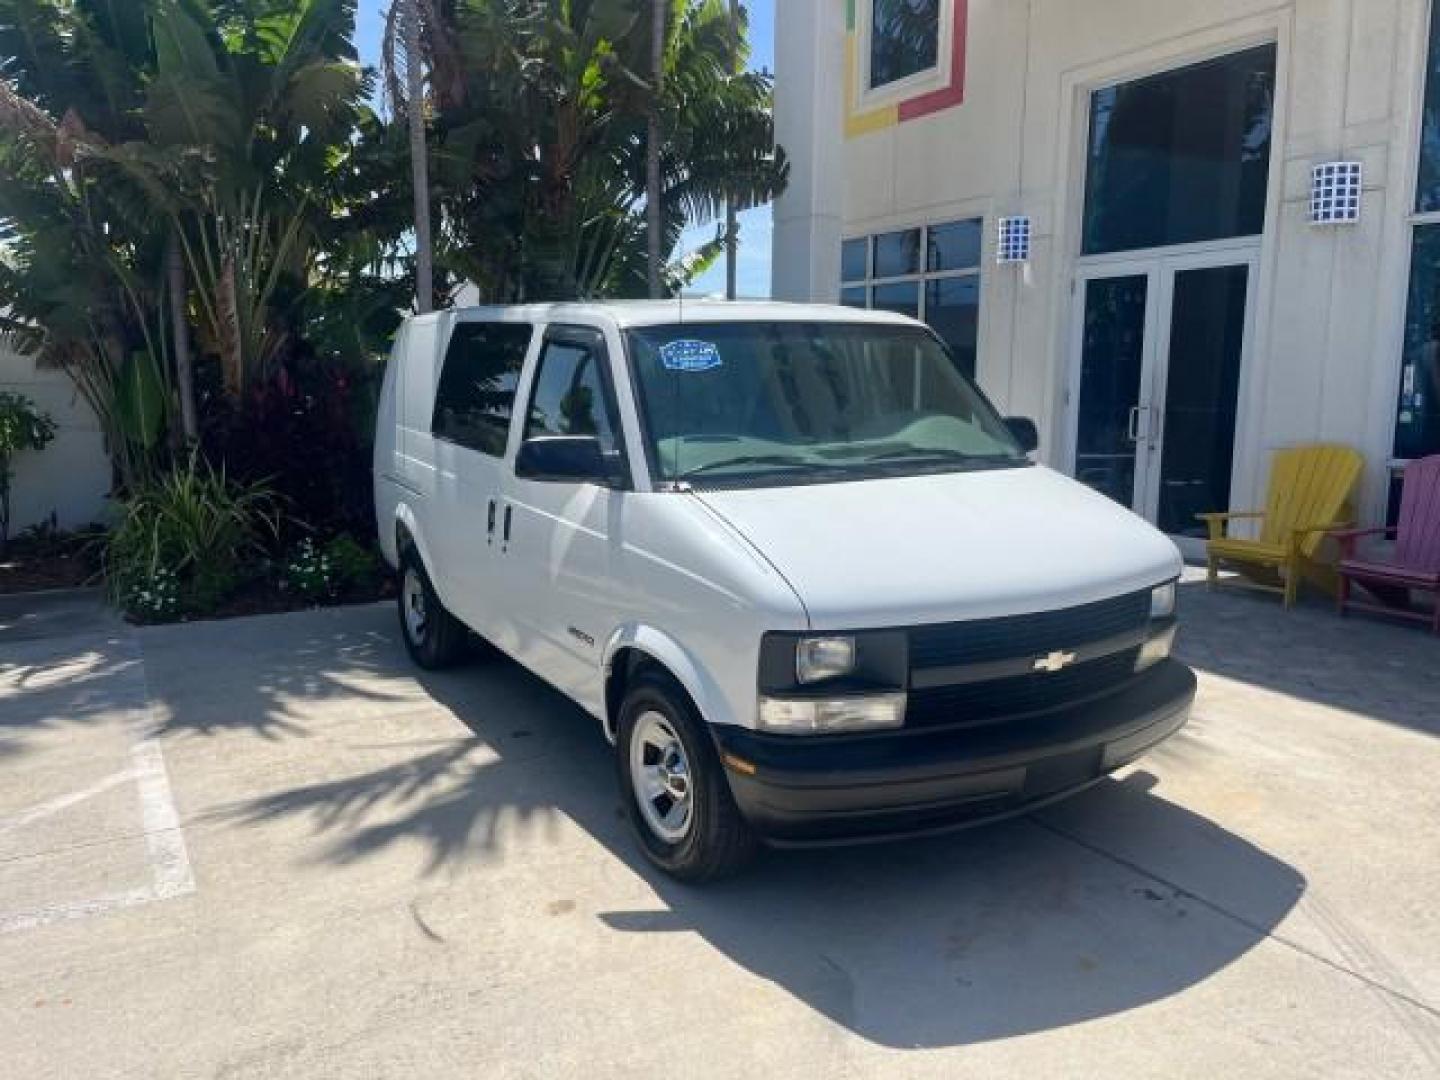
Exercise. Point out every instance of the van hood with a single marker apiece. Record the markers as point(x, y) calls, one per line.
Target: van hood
point(947, 547)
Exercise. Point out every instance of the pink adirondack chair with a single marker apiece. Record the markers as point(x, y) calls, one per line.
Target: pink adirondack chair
point(1415, 564)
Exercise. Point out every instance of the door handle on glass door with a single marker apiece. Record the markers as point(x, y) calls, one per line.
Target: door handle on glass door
point(490, 523)
point(505, 536)
point(1132, 427)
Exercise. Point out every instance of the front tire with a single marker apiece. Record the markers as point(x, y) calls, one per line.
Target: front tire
point(674, 785)
point(434, 638)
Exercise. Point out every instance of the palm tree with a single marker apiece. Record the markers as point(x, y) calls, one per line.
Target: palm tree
point(80, 257)
point(227, 131)
point(419, 158)
point(732, 222)
point(658, 18)
point(542, 151)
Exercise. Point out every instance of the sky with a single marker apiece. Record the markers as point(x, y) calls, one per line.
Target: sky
point(754, 258)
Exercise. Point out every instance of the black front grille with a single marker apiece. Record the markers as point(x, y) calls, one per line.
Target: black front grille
point(1023, 639)
point(1035, 635)
point(977, 704)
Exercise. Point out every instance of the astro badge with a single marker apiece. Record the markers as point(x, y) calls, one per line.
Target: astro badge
point(690, 356)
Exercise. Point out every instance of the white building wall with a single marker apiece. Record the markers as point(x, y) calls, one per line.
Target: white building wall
point(71, 476)
point(1324, 353)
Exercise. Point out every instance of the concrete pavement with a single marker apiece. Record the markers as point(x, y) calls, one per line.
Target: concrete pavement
point(372, 873)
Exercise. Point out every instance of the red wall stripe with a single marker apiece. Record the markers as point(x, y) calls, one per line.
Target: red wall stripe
point(954, 94)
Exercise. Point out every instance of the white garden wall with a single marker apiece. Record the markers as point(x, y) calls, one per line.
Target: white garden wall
point(71, 476)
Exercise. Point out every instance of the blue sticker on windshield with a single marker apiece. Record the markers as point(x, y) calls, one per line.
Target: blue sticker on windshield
point(690, 356)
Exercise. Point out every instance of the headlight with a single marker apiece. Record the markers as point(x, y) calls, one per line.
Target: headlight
point(1162, 601)
point(831, 716)
point(1156, 649)
point(820, 658)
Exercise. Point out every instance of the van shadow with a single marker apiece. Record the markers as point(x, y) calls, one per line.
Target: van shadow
point(1020, 927)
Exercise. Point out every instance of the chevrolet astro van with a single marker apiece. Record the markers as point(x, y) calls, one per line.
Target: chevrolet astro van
point(790, 557)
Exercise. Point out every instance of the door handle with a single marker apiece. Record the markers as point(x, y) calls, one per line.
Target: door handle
point(490, 523)
point(1132, 427)
point(505, 536)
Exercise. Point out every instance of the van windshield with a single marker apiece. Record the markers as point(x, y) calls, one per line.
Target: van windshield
point(807, 402)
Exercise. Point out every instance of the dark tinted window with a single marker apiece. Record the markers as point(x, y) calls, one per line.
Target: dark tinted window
point(902, 298)
point(1417, 427)
point(1427, 192)
point(1181, 157)
point(477, 386)
point(897, 253)
point(569, 396)
point(854, 257)
point(904, 39)
point(955, 246)
point(952, 307)
point(855, 297)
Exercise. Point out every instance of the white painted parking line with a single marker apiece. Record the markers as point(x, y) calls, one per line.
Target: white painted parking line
point(63, 802)
point(169, 861)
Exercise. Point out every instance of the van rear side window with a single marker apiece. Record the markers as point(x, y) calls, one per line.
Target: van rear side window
point(476, 396)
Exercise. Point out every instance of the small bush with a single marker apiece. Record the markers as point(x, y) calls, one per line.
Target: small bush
point(309, 573)
point(156, 599)
point(194, 528)
point(356, 566)
point(344, 565)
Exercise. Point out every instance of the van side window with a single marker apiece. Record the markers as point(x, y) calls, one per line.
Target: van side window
point(569, 397)
point(476, 396)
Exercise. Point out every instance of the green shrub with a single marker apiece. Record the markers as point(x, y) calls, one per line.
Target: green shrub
point(191, 533)
point(355, 566)
point(308, 572)
point(156, 599)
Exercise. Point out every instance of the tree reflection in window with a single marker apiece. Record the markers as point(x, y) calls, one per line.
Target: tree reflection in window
point(569, 397)
point(476, 395)
point(904, 39)
point(1181, 157)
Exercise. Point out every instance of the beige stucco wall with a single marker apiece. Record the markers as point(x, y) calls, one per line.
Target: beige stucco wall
point(70, 476)
point(1324, 353)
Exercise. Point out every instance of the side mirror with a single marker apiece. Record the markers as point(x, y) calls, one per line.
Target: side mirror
point(569, 459)
point(1024, 431)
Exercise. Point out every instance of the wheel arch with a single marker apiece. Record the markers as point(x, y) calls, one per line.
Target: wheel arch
point(408, 535)
point(632, 649)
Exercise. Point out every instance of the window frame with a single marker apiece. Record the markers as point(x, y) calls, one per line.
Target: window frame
point(921, 82)
point(925, 275)
point(1415, 220)
point(531, 329)
point(1116, 80)
point(594, 339)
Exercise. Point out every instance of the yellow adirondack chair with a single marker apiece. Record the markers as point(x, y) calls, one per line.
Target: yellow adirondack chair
point(1310, 491)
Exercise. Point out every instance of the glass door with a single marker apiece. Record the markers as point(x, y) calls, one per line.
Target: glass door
point(1116, 345)
point(1197, 394)
point(1159, 347)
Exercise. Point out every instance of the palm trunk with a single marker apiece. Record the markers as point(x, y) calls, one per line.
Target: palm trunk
point(732, 223)
point(652, 148)
point(232, 360)
point(419, 161)
point(180, 332)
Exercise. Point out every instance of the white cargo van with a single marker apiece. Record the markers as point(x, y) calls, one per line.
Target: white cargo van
point(803, 574)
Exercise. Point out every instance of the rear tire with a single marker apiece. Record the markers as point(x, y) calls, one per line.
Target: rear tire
point(674, 785)
point(434, 638)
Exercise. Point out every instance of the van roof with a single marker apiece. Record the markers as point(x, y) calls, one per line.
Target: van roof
point(628, 313)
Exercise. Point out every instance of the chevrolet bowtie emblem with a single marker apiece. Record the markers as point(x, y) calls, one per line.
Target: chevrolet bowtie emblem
point(1056, 661)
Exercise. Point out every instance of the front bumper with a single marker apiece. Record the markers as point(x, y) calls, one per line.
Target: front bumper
point(809, 790)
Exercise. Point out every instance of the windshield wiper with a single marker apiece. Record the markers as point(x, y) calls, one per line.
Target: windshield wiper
point(941, 454)
point(792, 461)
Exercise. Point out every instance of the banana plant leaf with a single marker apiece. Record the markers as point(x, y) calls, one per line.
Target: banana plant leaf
point(140, 400)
